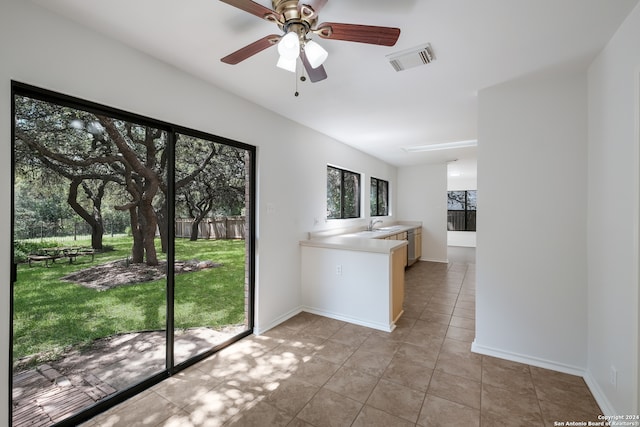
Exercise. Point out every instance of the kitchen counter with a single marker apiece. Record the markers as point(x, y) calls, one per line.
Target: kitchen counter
point(355, 278)
point(357, 242)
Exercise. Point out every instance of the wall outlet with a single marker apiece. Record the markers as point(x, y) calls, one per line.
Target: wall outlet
point(338, 270)
point(613, 376)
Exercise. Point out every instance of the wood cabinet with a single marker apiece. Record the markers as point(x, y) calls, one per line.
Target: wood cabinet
point(398, 260)
point(404, 251)
point(418, 243)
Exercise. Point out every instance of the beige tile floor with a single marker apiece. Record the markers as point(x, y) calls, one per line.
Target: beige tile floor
point(313, 371)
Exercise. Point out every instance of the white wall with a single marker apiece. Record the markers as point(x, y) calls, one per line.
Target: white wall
point(44, 50)
point(423, 197)
point(462, 183)
point(292, 202)
point(531, 294)
point(614, 114)
point(465, 239)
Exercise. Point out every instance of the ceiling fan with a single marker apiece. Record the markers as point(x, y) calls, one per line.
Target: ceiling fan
point(298, 19)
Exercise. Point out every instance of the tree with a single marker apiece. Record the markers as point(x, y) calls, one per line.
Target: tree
point(192, 156)
point(48, 142)
point(38, 209)
point(94, 194)
point(98, 155)
point(140, 148)
point(87, 149)
point(93, 218)
point(218, 187)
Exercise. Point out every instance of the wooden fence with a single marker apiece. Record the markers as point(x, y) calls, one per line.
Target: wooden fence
point(230, 227)
point(461, 221)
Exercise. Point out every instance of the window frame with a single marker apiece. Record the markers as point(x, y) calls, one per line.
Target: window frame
point(377, 203)
point(344, 174)
point(467, 211)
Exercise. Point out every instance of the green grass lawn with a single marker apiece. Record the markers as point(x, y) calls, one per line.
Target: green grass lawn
point(51, 315)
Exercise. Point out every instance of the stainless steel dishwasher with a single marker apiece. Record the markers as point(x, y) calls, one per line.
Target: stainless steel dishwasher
point(411, 249)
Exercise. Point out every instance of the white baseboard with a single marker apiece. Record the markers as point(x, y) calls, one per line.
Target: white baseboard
point(434, 260)
point(260, 329)
point(599, 395)
point(529, 360)
point(373, 325)
point(592, 384)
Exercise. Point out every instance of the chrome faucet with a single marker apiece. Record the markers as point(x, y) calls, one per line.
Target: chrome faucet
point(372, 223)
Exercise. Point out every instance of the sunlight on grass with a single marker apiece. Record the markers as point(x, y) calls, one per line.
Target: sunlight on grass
point(50, 314)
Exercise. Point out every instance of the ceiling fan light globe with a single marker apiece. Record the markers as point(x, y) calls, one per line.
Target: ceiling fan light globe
point(289, 46)
point(287, 63)
point(316, 55)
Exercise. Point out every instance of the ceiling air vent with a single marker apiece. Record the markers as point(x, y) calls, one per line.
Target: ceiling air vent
point(409, 58)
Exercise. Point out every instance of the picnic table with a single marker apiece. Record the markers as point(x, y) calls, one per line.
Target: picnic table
point(51, 254)
point(35, 257)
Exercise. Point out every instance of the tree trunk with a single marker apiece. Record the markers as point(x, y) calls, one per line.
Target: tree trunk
point(148, 229)
point(96, 236)
point(95, 220)
point(97, 228)
point(137, 249)
point(163, 226)
point(195, 225)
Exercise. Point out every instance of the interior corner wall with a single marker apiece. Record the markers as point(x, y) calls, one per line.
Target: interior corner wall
point(40, 48)
point(531, 293)
point(423, 197)
point(614, 193)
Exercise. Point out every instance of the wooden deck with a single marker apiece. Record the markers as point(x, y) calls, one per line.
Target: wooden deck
point(43, 396)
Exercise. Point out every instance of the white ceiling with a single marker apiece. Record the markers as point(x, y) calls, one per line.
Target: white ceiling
point(364, 102)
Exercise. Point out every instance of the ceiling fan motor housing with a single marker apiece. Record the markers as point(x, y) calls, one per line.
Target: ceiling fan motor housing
point(299, 19)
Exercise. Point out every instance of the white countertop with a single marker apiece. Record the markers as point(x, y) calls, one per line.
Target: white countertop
point(364, 241)
point(353, 243)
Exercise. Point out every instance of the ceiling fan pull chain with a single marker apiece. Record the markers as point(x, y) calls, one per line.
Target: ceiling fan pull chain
point(303, 78)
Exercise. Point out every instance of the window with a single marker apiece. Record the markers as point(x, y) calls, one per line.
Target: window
point(379, 197)
point(343, 193)
point(461, 210)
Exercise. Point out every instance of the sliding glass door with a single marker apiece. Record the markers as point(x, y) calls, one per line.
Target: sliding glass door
point(133, 251)
point(211, 206)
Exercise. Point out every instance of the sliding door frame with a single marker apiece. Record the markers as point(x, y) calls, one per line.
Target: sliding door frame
point(171, 368)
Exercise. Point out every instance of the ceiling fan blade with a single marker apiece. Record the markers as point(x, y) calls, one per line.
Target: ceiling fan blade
point(251, 49)
point(315, 74)
point(316, 5)
point(254, 8)
point(384, 36)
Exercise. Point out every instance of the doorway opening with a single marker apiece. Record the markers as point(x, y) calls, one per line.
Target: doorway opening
point(462, 185)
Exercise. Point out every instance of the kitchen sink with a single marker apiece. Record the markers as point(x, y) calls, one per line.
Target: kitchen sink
point(364, 233)
point(390, 228)
point(375, 233)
